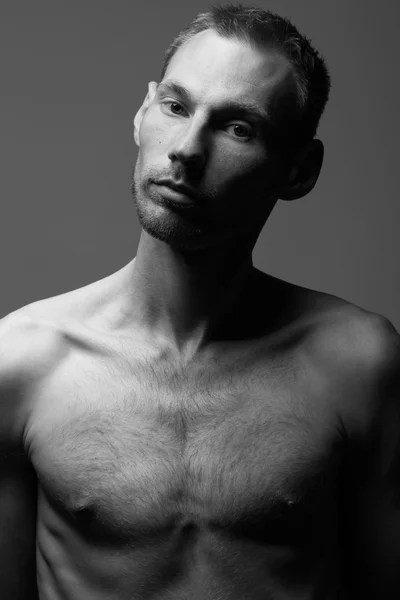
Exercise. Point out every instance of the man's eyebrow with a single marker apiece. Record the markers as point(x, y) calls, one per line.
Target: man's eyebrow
point(242, 108)
point(175, 87)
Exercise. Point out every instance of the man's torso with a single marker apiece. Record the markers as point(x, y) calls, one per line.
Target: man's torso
point(220, 478)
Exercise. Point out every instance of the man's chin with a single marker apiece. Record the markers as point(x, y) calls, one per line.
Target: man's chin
point(175, 233)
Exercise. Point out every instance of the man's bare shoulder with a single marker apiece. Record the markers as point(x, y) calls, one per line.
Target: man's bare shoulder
point(354, 349)
point(28, 349)
point(345, 332)
point(28, 344)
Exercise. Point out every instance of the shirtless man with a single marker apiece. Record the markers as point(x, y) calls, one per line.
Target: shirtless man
point(191, 428)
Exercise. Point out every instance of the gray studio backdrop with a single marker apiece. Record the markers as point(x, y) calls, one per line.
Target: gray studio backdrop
point(74, 73)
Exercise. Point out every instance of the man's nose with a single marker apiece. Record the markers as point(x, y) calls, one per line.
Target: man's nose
point(189, 148)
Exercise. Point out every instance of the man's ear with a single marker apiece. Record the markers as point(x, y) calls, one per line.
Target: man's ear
point(304, 173)
point(153, 85)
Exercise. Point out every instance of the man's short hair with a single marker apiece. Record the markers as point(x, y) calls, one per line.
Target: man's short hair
point(263, 29)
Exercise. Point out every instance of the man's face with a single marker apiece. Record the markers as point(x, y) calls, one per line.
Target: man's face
point(207, 125)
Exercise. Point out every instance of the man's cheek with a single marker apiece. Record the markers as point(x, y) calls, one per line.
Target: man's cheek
point(153, 134)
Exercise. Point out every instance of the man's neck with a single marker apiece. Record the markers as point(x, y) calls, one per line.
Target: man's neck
point(183, 299)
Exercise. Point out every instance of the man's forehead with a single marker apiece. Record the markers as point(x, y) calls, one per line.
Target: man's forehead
point(210, 63)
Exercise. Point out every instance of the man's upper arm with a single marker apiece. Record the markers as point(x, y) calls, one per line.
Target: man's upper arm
point(18, 506)
point(18, 482)
point(373, 493)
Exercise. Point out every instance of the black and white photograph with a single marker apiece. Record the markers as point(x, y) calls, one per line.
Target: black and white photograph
point(200, 300)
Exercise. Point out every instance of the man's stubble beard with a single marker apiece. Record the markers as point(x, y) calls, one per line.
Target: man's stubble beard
point(173, 229)
point(181, 234)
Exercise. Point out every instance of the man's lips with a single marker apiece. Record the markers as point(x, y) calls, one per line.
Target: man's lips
point(177, 192)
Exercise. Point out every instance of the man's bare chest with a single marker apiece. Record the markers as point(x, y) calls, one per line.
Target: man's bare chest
point(125, 453)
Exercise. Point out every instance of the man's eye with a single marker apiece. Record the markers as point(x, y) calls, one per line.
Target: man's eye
point(240, 130)
point(174, 107)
